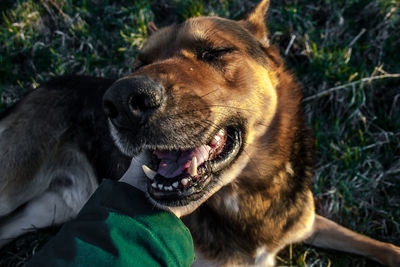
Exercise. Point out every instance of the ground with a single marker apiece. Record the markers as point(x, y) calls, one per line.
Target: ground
point(345, 54)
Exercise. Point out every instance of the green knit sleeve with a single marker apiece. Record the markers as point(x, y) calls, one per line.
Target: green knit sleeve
point(119, 227)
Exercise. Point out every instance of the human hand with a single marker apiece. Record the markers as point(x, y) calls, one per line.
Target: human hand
point(136, 177)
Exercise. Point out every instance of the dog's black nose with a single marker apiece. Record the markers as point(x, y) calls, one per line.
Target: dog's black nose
point(133, 100)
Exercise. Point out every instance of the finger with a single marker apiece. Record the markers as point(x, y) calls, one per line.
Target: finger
point(134, 175)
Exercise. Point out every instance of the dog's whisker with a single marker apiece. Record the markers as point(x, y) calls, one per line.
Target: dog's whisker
point(233, 107)
point(213, 91)
point(191, 111)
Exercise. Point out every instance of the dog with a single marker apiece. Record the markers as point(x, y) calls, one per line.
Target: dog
point(211, 109)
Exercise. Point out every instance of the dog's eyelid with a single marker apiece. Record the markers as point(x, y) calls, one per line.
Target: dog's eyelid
point(221, 50)
point(209, 54)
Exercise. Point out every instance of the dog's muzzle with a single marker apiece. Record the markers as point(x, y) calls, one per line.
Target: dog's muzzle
point(132, 101)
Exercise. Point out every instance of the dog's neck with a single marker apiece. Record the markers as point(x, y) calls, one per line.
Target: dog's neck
point(242, 209)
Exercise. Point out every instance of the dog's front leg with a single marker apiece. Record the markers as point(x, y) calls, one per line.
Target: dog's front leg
point(330, 235)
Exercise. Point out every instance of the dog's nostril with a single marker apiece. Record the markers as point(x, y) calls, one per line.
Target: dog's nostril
point(110, 110)
point(141, 102)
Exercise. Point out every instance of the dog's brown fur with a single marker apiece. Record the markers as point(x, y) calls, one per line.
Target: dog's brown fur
point(263, 201)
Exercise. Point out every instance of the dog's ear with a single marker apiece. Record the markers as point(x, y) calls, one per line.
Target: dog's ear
point(151, 28)
point(255, 22)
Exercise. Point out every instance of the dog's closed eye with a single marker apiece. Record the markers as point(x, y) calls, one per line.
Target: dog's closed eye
point(213, 54)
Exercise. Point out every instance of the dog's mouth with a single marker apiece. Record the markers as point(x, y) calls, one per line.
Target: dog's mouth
point(177, 177)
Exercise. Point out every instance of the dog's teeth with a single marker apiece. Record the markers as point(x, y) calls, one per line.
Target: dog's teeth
point(160, 186)
point(184, 181)
point(221, 132)
point(149, 172)
point(154, 185)
point(168, 188)
point(175, 185)
point(215, 140)
point(193, 167)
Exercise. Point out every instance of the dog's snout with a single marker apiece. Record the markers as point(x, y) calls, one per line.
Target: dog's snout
point(110, 110)
point(144, 101)
point(133, 100)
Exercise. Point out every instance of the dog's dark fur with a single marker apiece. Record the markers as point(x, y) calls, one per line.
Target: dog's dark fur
point(203, 75)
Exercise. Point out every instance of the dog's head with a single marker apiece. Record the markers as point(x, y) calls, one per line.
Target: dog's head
point(201, 95)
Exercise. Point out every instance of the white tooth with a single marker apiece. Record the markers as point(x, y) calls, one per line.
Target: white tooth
point(168, 188)
point(175, 185)
point(160, 186)
point(221, 132)
point(215, 140)
point(149, 172)
point(185, 181)
point(193, 167)
point(154, 185)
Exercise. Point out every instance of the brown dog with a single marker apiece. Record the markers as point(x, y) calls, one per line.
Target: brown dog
point(210, 108)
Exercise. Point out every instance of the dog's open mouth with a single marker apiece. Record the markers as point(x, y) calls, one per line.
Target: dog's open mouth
point(177, 177)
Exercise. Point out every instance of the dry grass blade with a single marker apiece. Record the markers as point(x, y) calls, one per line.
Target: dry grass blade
point(344, 86)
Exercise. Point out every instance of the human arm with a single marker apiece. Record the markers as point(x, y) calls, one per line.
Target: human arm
point(119, 227)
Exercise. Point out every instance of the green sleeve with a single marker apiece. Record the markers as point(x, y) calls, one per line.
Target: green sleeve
point(119, 227)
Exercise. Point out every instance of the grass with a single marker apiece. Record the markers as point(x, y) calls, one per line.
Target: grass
point(345, 53)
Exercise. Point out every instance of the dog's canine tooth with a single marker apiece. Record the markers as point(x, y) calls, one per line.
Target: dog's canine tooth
point(193, 167)
point(160, 186)
point(154, 185)
point(149, 172)
point(184, 181)
point(175, 185)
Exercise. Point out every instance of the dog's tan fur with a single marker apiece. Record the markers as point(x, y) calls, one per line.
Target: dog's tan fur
point(262, 200)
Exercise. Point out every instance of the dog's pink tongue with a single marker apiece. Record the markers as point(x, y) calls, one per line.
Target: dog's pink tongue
point(173, 163)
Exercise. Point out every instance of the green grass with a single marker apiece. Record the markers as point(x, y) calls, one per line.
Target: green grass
point(332, 46)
